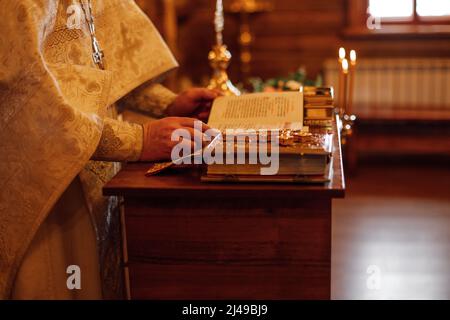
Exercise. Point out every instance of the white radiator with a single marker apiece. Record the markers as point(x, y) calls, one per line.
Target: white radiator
point(386, 87)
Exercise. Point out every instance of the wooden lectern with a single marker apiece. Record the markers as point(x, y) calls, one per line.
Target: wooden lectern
point(185, 239)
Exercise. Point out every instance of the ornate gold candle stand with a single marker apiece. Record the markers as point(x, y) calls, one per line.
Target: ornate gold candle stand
point(219, 60)
point(219, 57)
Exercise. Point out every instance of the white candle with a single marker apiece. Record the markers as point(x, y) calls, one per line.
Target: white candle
point(344, 91)
point(342, 54)
point(352, 82)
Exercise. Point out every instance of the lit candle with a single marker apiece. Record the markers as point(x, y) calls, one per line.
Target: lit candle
point(351, 82)
point(345, 67)
point(342, 54)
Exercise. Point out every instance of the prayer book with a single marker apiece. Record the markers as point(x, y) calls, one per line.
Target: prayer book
point(267, 111)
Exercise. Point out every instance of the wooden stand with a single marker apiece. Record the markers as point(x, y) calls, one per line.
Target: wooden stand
point(191, 240)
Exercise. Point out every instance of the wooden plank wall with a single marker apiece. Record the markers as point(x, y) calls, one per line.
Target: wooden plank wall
point(295, 33)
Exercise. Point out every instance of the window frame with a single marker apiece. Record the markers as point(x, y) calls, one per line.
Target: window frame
point(415, 19)
point(357, 17)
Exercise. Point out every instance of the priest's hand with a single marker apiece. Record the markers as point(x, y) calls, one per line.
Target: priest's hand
point(195, 103)
point(158, 144)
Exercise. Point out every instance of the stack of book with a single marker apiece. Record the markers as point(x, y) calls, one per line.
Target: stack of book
point(305, 160)
point(318, 106)
point(300, 156)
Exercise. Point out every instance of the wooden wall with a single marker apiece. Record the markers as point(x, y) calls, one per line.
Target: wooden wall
point(294, 33)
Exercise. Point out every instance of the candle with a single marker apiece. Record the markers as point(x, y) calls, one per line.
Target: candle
point(342, 54)
point(345, 67)
point(351, 82)
point(340, 98)
point(219, 22)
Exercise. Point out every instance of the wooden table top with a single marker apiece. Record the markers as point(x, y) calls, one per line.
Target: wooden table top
point(131, 181)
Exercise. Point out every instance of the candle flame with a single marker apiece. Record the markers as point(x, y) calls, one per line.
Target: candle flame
point(342, 53)
point(345, 65)
point(353, 56)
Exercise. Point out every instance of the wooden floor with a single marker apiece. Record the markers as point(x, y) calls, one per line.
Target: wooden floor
point(395, 224)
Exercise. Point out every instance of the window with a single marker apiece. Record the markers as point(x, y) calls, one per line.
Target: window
point(391, 9)
point(410, 11)
point(433, 8)
point(398, 18)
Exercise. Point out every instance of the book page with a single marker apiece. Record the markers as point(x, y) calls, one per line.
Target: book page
point(271, 111)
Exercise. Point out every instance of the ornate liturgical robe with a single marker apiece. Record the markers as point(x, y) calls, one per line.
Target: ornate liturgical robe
point(57, 115)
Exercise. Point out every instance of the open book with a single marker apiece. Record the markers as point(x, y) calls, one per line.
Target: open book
point(271, 111)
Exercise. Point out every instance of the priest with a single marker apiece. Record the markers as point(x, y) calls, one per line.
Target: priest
point(62, 90)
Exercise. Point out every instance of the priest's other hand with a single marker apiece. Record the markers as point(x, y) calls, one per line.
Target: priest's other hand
point(195, 103)
point(158, 144)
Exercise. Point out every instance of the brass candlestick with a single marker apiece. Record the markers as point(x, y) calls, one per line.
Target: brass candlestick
point(219, 58)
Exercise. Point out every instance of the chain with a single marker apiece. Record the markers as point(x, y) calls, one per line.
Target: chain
point(97, 54)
